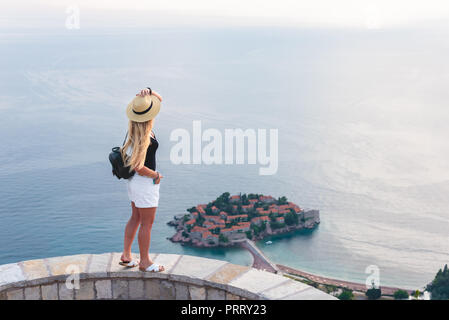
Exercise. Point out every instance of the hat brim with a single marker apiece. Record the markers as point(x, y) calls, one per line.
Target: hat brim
point(146, 116)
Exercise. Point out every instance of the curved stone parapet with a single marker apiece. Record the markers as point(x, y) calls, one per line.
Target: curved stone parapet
point(99, 276)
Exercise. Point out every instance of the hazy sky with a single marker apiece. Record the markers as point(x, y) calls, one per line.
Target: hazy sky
point(316, 13)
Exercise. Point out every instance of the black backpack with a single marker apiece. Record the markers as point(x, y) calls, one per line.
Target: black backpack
point(118, 168)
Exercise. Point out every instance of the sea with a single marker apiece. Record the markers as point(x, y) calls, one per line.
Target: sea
point(362, 119)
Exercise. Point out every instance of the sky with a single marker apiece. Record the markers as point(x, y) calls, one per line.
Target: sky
point(317, 13)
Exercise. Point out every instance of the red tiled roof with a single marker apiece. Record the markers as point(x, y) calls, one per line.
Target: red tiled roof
point(239, 227)
point(237, 216)
point(205, 234)
point(199, 229)
point(264, 218)
point(245, 224)
point(266, 198)
point(200, 210)
point(212, 217)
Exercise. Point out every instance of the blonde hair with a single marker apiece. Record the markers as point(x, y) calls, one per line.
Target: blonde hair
point(139, 140)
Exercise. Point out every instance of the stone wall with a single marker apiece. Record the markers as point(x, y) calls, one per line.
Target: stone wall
point(99, 276)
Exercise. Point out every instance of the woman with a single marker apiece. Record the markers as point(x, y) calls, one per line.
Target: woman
point(143, 187)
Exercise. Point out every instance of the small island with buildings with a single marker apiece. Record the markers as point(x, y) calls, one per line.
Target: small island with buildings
point(229, 220)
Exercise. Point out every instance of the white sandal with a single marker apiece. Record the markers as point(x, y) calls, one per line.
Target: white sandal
point(153, 268)
point(129, 264)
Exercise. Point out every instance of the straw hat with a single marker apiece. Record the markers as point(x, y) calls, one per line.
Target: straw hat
point(142, 109)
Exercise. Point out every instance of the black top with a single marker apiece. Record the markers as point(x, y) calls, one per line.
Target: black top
point(150, 159)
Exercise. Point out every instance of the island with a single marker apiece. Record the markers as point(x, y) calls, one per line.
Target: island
point(229, 220)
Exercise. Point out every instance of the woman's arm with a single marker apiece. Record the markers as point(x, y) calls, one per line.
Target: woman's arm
point(145, 171)
point(157, 95)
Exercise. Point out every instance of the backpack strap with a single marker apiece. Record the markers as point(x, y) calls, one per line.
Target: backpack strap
point(126, 136)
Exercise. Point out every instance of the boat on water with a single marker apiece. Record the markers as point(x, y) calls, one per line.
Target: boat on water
point(269, 242)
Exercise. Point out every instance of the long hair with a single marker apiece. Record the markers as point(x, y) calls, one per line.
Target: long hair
point(139, 140)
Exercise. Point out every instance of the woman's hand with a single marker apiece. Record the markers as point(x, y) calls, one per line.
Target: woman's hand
point(146, 92)
point(158, 179)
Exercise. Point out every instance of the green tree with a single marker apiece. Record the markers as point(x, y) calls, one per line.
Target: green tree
point(276, 225)
point(223, 238)
point(346, 295)
point(239, 208)
point(199, 221)
point(282, 200)
point(291, 218)
point(252, 213)
point(249, 234)
point(439, 287)
point(245, 200)
point(193, 209)
point(373, 293)
point(225, 197)
point(255, 228)
point(417, 294)
point(400, 294)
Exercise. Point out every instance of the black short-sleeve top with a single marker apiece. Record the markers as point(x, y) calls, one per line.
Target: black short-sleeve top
point(150, 158)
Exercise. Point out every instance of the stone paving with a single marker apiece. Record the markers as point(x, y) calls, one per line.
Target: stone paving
point(99, 276)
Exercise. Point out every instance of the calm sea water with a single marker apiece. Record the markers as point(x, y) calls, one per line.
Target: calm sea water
point(362, 119)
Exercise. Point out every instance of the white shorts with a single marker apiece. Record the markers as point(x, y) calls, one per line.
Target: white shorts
point(143, 192)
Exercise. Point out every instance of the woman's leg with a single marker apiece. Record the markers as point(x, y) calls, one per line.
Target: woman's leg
point(130, 232)
point(147, 218)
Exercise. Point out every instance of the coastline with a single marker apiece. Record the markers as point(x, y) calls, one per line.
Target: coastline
point(261, 262)
point(335, 282)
